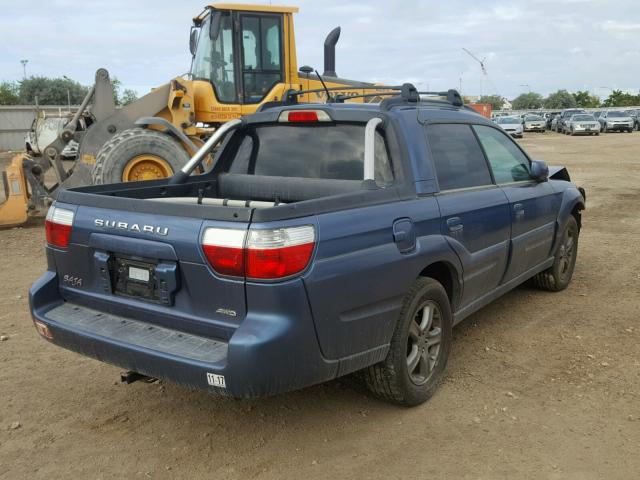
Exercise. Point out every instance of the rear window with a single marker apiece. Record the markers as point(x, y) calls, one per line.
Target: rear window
point(334, 152)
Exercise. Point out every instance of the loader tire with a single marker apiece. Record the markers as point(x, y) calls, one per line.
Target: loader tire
point(138, 154)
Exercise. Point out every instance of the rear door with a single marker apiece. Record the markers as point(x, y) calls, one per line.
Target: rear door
point(533, 205)
point(474, 212)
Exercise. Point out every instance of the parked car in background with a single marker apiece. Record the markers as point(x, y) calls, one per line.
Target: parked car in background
point(582, 124)
point(511, 125)
point(635, 114)
point(548, 117)
point(533, 123)
point(565, 115)
point(616, 120)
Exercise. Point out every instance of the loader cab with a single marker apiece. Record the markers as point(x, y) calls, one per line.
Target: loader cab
point(241, 53)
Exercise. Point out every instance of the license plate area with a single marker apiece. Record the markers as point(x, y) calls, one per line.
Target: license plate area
point(149, 280)
point(135, 278)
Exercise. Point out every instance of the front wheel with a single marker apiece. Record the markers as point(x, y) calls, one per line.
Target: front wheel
point(558, 276)
point(419, 347)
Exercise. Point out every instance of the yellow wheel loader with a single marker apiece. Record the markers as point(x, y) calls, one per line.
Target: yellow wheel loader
point(243, 56)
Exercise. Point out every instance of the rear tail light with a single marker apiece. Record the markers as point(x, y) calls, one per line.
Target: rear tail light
point(279, 253)
point(259, 254)
point(224, 249)
point(58, 225)
point(304, 116)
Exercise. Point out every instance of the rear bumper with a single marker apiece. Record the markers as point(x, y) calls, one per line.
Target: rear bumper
point(268, 354)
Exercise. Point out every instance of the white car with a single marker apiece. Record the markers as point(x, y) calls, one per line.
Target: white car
point(511, 125)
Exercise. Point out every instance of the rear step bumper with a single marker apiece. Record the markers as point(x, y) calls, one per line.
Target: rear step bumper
point(265, 356)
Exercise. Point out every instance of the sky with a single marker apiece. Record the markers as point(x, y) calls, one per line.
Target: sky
point(542, 46)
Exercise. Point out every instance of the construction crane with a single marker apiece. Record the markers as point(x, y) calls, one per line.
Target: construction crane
point(482, 67)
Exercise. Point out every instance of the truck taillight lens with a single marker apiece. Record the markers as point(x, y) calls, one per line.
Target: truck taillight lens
point(58, 225)
point(263, 254)
point(279, 253)
point(224, 249)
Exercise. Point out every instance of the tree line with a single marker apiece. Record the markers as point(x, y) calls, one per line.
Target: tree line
point(55, 91)
point(564, 99)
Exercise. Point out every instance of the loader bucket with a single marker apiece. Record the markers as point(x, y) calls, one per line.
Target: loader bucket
point(13, 211)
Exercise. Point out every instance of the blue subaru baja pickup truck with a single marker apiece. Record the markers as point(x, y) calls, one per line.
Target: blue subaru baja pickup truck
point(325, 239)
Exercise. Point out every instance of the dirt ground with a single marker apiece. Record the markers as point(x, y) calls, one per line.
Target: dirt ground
point(539, 385)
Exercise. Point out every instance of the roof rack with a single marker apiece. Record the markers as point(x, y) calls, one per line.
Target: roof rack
point(400, 95)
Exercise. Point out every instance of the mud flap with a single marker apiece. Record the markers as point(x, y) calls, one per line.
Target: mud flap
point(13, 211)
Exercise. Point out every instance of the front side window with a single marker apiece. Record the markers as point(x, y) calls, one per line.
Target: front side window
point(507, 161)
point(457, 157)
point(213, 60)
point(261, 65)
point(334, 152)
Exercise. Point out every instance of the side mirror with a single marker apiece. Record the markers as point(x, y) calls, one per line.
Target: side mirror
point(539, 171)
point(193, 40)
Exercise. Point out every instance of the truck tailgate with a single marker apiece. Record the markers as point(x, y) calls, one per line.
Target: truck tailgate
point(151, 268)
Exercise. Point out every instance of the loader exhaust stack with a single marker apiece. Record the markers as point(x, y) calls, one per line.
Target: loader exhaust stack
point(330, 53)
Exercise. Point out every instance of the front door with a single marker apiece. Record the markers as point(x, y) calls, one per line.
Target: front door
point(533, 205)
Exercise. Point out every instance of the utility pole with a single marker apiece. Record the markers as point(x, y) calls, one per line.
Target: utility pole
point(24, 68)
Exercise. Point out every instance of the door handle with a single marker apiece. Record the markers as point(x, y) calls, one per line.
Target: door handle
point(455, 224)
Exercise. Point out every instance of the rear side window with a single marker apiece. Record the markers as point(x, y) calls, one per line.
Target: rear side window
point(334, 152)
point(457, 156)
point(507, 161)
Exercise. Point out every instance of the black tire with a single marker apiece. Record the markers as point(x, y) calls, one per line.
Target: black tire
point(114, 155)
point(392, 379)
point(558, 276)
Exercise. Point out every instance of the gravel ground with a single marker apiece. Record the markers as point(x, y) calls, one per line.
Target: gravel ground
point(539, 385)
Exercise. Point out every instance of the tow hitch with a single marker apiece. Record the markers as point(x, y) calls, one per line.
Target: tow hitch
point(130, 377)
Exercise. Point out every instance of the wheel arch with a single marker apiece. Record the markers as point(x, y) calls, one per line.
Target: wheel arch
point(573, 202)
point(448, 276)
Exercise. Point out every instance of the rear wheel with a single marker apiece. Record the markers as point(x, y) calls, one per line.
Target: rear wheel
point(419, 347)
point(558, 276)
point(138, 154)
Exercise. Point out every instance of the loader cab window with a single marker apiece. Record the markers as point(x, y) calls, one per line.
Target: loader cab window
point(261, 55)
point(214, 59)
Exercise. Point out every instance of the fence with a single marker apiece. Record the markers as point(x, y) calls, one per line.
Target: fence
point(16, 120)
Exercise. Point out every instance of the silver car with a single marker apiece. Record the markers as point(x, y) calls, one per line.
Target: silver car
point(511, 125)
point(616, 120)
point(582, 124)
point(534, 123)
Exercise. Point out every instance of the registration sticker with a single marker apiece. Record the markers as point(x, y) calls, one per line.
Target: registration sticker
point(141, 274)
point(216, 380)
